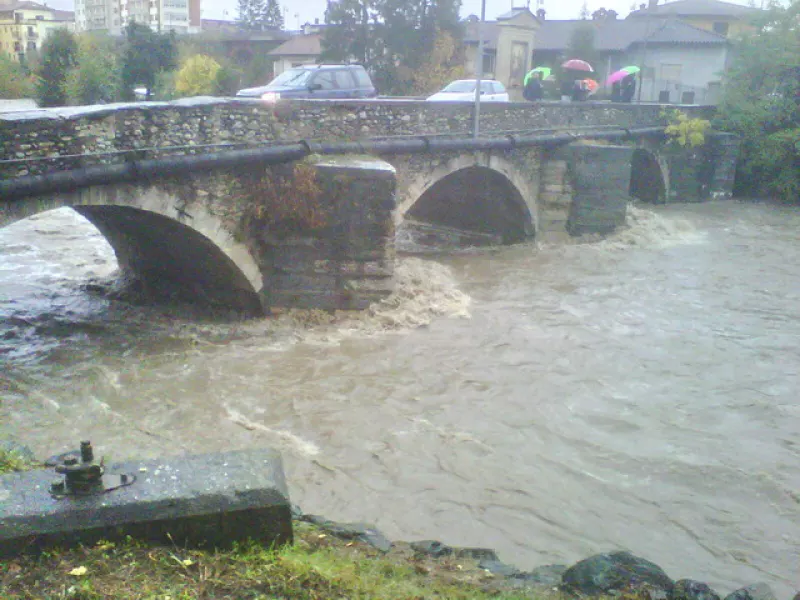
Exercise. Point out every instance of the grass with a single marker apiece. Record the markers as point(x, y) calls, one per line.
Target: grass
point(316, 566)
point(10, 462)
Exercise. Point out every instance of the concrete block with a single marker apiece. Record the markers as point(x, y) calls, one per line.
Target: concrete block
point(205, 500)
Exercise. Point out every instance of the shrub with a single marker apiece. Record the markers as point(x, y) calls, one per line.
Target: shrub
point(685, 131)
point(197, 76)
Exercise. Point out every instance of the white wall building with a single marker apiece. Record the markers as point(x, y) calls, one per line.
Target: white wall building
point(180, 16)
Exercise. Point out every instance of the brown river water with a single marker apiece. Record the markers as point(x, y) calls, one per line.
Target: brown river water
point(548, 400)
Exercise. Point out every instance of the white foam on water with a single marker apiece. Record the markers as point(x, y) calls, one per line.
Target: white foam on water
point(425, 290)
point(286, 440)
point(647, 229)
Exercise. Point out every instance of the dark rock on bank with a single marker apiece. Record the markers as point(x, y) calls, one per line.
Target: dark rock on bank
point(757, 591)
point(545, 576)
point(689, 589)
point(616, 572)
point(351, 531)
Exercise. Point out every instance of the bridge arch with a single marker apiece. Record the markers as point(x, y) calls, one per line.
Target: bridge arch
point(649, 179)
point(476, 191)
point(167, 247)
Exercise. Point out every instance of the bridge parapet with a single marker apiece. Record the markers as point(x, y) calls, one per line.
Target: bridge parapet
point(39, 141)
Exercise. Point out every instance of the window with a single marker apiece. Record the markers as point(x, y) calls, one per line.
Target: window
point(343, 80)
point(39, 18)
point(670, 72)
point(721, 28)
point(324, 80)
point(362, 78)
point(488, 63)
point(687, 98)
point(663, 97)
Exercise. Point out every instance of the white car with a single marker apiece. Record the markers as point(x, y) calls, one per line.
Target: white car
point(463, 90)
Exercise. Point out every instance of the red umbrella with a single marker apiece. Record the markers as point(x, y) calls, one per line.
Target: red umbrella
point(577, 64)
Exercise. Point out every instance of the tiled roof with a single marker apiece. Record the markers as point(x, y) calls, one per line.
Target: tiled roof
point(613, 35)
point(696, 8)
point(25, 5)
point(299, 45)
point(63, 15)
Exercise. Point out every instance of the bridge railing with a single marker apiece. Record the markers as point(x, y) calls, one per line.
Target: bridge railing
point(137, 169)
point(38, 142)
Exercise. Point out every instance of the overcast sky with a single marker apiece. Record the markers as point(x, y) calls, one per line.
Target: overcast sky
point(301, 11)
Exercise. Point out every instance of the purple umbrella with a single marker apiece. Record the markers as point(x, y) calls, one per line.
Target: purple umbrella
point(621, 74)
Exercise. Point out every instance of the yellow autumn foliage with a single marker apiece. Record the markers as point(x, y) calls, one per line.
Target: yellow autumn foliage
point(197, 76)
point(685, 131)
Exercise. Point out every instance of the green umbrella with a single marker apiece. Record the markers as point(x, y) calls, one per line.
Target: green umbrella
point(545, 71)
point(631, 69)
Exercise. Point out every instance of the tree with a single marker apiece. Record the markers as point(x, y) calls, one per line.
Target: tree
point(581, 43)
point(259, 15)
point(59, 53)
point(145, 54)
point(391, 38)
point(444, 64)
point(197, 76)
point(95, 77)
point(15, 81)
point(761, 104)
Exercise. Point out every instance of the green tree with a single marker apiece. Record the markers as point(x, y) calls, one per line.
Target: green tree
point(581, 43)
point(95, 77)
point(58, 56)
point(761, 104)
point(391, 38)
point(259, 15)
point(145, 54)
point(197, 76)
point(15, 80)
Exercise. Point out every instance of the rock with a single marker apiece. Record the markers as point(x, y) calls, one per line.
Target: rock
point(689, 589)
point(757, 591)
point(431, 548)
point(615, 572)
point(350, 531)
point(496, 567)
point(545, 576)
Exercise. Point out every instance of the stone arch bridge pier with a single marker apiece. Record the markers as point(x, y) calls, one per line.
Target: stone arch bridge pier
point(253, 206)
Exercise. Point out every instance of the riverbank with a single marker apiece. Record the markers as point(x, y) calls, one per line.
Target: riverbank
point(328, 560)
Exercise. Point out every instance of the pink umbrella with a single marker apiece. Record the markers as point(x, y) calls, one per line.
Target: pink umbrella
point(621, 74)
point(576, 64)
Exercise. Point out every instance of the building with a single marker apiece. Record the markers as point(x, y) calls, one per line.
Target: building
point(296, 51)
point(180, 16)
point(679, 62)
point(508, 45)
point(25, 25)
point(723, 18)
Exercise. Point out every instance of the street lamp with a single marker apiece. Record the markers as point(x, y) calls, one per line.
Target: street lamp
point(476, 113)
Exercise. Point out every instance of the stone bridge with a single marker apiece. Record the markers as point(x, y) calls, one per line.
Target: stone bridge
point(254, 206)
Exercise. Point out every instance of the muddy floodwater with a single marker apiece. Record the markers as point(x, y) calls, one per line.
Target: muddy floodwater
point(548, 400)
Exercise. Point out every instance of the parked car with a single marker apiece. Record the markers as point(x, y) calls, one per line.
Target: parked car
point(316, 81)
point(463, 90)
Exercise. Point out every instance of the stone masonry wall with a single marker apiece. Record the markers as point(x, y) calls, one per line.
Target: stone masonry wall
point(74, 137)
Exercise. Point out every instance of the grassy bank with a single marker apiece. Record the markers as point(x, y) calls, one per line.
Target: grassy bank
point(316, 566)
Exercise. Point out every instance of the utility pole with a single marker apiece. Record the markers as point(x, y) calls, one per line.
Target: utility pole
point(479, 73)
